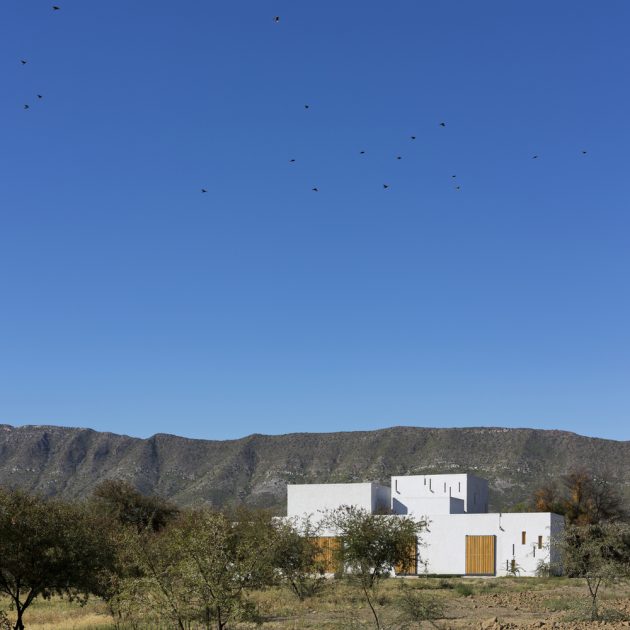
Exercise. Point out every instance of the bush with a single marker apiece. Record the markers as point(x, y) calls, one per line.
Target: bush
point(465, 590)
point(418, 606)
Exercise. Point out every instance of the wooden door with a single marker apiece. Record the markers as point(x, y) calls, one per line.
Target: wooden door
point(480, 555)
point(327, 556)
point(410, 564)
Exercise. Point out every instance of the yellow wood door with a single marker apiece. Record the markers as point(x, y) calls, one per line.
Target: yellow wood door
point(480, 555)
point(410, 565)
point(327, 553)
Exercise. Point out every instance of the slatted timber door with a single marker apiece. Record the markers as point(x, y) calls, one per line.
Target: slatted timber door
point(481, 555)
point(410, 564)
point(327, 553)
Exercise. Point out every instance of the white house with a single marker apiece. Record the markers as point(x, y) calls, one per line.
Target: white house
point(462, 537)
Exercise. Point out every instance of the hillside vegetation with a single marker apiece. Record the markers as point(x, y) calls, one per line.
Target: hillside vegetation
point(254, 470)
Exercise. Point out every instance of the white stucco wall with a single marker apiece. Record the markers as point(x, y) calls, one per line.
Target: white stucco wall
point(443, 546)
point(472, 490)
point(314, 499)
point(421, 506)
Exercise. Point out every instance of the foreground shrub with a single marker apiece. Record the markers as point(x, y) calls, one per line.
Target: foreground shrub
point(416, 606)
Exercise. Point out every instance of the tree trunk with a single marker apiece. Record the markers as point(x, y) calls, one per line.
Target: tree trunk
point(19, 625)
point(369, 601)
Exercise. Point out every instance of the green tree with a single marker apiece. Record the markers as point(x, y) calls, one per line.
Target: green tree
point(199, 569)
point(599, 553)
point(121, 501)
point(372, 546)
point(49, 547)
point(295, 556)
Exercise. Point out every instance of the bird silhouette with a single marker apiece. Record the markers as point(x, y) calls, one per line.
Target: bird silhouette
point(583, 152)
point(413, 137)
point(453, 176)
point(399, 157)
point(306, 106)
point(292, 160)
point(27, 106)
point(458, 187)
point(204, 190)
point(315, 189)
point(56, 8)
point(385, 186)
point(442, 124)
point(276, 19)
point(40, 96)
point(23, 62)
point(361, 152)
point(534, 157)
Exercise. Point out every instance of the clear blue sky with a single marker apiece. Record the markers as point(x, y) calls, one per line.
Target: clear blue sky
point(132, 302)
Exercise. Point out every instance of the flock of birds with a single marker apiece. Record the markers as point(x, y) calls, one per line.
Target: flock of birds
point(24, 62)
point(276, 19)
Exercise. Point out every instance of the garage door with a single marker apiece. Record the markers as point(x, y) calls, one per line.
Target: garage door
point(480, 555)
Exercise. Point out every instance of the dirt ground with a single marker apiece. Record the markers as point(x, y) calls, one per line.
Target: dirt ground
point(473, 604)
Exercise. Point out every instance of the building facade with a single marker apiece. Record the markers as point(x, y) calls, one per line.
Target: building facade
point(461, 538)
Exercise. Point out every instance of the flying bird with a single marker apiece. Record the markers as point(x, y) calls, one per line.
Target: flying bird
point(399, 157)
point(306, 106)
point(413, 137)
point(458, 187)
point(583, 152)
point(315, 189)
point(276, 19)
point(442, 124)
point(534, 157)
point(27, 106)
point(23, 62)
point(385, 186)
point(361, 152)
point(40, 96)
point(292, 160)
point(56, 8)
point(453, 176)
point(204, 190)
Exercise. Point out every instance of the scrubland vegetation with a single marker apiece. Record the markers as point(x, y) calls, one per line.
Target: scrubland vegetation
point(126, 561)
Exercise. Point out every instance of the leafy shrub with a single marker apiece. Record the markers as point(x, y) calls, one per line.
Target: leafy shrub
point(465, 590)
point(418, 606)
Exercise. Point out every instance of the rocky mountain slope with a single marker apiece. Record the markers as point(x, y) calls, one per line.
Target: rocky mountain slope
point(255, 469)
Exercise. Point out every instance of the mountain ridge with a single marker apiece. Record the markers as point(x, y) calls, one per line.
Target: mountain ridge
point(69, 462)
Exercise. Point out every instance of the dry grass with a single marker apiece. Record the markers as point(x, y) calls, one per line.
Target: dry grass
point(59, 614)
point(518, 602)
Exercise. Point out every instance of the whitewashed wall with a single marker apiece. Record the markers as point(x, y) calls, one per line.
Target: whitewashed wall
point(472, 490)
point(316, 498)
point(444, 544)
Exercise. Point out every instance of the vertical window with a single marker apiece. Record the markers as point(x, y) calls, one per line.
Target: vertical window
point(540, 542)
point(449, 491)
point(523, 538)
point(425, 481)
point(534, 551)
point(513, 550)
point(445, 487)
point(429, 483)
point(459, 486)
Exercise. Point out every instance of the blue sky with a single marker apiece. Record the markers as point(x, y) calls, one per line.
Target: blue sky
point(132, 302)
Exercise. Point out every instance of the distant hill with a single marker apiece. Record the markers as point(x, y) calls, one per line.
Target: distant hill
point(255, 470)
